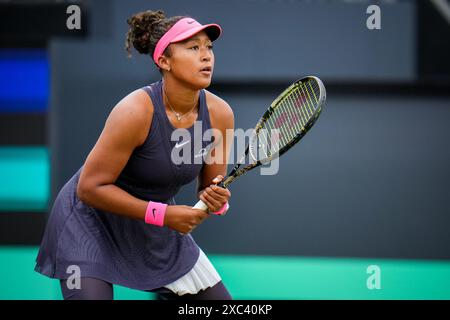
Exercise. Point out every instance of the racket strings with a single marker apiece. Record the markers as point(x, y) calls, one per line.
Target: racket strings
point(289, 117)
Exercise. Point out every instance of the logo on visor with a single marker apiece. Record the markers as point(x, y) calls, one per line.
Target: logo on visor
point(190, 21)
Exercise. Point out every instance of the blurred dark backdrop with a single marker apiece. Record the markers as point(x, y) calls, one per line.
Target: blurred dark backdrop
point(370, 179)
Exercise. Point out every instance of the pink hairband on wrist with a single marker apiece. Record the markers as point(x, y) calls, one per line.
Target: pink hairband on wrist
point(155, 213)
point(222, 210)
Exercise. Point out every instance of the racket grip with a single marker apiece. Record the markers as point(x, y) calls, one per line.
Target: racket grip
point(201, 205)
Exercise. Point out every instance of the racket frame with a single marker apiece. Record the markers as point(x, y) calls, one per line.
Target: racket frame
point(237, 171)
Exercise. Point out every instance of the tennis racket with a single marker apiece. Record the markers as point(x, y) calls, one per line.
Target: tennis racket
point(290, 116)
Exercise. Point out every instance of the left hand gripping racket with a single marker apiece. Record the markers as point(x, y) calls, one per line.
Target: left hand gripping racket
point(290, 116)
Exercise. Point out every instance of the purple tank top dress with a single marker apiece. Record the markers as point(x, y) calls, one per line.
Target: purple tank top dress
point(121, 250)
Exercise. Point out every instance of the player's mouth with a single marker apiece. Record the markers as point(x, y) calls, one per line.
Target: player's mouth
point(206, 71)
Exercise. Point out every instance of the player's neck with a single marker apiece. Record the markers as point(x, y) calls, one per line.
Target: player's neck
point(181, 98)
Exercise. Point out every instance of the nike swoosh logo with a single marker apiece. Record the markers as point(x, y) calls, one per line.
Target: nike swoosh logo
point(190, 21)
point(201, 153)
point(178, 145)
point(153, 211)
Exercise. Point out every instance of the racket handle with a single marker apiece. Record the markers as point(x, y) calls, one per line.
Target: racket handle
point(201, 205)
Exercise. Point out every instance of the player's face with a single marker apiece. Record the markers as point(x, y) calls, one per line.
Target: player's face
point(192, 61)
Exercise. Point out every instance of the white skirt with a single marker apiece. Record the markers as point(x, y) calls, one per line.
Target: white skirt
point(203, 275)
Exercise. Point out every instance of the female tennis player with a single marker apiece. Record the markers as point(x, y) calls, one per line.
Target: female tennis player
point(115, 221)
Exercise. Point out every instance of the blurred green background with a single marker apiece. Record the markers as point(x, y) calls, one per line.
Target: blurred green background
point(262, 277)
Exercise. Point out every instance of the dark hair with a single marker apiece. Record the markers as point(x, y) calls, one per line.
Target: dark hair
point(146, 28)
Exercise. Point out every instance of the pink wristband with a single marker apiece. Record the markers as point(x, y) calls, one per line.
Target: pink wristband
point(222, 210)
point(155, 213)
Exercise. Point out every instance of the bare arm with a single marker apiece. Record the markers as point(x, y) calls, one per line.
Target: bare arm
point(222, 119)
point(126, 128)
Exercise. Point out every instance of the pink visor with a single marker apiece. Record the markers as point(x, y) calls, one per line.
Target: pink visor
point(183, 29)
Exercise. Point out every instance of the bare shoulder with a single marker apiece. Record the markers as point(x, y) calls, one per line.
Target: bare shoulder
point(133, 112)
point(219, 110)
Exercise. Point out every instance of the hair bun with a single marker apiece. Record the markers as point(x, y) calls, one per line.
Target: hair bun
point(141, 30)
